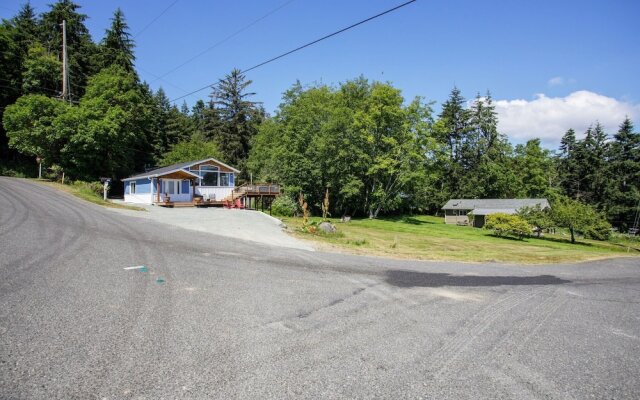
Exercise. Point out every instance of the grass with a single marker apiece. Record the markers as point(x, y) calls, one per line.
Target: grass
point(429, 238)
point(84, 192)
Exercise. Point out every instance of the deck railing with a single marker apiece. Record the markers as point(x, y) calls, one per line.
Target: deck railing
point(266, 189)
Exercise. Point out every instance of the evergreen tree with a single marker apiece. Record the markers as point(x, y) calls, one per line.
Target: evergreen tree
point(26, 31)
point(623, 194)
point(184, 109)
point(198, 117)
point(16, 36)
point(238, 116)
point(595, 150)
point(483, 126)
point(452, 132)
point(82, 51)
point(10, 81)
point(487, 168)
point(568, 167)
point(179, 127)
point(158, 128)
point(117, 45)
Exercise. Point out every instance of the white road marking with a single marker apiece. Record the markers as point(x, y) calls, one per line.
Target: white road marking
point(135, 267)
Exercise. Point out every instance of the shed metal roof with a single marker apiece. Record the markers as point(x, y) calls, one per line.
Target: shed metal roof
point(489, 211)
point(514, 204)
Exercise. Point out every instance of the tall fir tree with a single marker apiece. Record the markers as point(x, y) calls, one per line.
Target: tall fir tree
point(16, 36)
point(26, 29)
point(117, 46)
point(623, 194)
point(452, 132)
point(568, 165)
point(594, 166)
point(233, 118)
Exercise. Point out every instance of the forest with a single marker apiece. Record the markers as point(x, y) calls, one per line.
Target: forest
point(375, 152)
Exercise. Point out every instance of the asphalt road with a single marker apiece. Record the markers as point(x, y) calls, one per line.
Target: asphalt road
point(213, 317)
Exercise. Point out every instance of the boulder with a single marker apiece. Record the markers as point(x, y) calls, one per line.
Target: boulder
point(327, 227)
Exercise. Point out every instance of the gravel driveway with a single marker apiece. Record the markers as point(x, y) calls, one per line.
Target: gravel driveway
point(238, 224)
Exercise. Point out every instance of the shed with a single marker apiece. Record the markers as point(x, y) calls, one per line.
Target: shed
point(457, 211)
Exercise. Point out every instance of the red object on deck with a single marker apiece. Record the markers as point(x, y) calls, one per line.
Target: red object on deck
point(239, 204)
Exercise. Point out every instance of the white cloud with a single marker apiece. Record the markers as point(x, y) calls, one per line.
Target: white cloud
point(548, 118)
point(556, 81)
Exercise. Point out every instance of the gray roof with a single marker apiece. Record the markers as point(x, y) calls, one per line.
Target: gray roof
point(174, 167)
point(489, 211)
point(504, 204)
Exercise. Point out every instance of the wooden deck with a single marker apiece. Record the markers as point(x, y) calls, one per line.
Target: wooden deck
point(265, 189)
point(181, 204)
point(258, 194)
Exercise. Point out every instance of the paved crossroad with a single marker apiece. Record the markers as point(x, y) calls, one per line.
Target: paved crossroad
point(211, 317)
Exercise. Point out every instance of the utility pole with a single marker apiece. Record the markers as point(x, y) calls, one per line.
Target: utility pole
point(65, 67)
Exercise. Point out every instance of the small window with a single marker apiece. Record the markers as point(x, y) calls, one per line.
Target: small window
point(132, 188)
point(224, 179)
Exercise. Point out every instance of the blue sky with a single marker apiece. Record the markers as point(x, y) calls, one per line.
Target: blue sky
point(550, 65)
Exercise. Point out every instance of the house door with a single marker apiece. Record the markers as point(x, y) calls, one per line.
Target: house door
point(174, 189)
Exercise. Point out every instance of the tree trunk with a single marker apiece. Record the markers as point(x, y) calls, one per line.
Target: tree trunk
point(573, 237)
point(375, 214)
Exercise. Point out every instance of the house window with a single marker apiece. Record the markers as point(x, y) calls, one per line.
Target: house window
point(208, 175)
point(224, 179)
point(132, 188)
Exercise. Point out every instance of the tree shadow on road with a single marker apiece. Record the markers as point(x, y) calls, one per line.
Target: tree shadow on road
point(407, 279)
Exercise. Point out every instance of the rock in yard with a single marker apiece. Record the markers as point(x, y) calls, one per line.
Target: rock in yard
point(327, 227)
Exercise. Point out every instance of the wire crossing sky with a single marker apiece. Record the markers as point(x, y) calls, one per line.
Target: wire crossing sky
point(305, 45)
point(549, 65)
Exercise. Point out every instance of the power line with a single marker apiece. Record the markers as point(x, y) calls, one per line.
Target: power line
point(160, 78)
point(304, 46)
point(155, 19)
point(236, 33)
point(19, 89)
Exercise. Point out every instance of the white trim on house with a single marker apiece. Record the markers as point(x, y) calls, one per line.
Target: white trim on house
point(214, 160)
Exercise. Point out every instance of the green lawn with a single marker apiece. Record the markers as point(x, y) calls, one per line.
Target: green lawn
point(429, 238)
point(84, 192)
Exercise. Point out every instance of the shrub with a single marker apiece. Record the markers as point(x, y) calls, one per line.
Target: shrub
point(506, 224)
point(284, 206)
point(89, 187)
point(599, 230)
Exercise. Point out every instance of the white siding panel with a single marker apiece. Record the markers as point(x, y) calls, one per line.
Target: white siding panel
point(214, 193)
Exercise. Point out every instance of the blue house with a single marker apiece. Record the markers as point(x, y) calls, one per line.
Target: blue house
point(177, 183)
